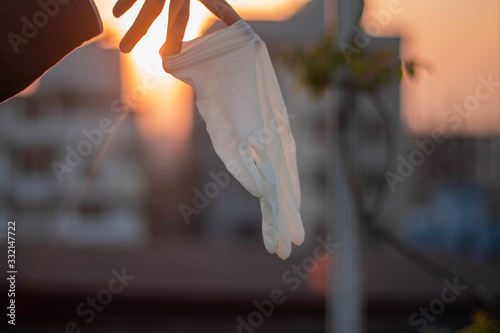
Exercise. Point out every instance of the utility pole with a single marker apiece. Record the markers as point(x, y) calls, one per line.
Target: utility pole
point(344, 309)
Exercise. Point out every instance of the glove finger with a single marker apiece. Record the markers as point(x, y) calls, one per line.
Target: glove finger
point(285, 246)
point(270, 225)
point(295, 225)
point(274, 223)
point(269, 201)
point(285, 151)
point(268, 151)
point(289, 183)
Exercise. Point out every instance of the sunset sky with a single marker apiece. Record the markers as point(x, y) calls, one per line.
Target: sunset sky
point(458, 41)
point(167, 110)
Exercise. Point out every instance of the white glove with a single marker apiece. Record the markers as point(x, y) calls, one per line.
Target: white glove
point(238, 96)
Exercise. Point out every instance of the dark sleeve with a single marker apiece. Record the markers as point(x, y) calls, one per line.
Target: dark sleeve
point(36, 34)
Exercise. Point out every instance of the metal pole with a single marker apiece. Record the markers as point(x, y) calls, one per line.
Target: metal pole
point(344, 313)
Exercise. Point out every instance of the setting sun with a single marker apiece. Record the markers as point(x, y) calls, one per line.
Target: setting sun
point(160, 99)
point(163, 103)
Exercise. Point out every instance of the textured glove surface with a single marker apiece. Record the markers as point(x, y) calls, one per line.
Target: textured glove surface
point(238, 96)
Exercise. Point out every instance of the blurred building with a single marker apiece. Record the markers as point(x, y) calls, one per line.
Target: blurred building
point(458, 199)
point(70, 158)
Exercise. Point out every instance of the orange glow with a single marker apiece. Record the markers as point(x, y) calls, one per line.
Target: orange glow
point(259, 10)
point(459, 39)
point(165, 105)
point(163, 102)
point(30, 90)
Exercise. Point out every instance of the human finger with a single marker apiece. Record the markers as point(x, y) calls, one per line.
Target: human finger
point(149, 12)
point(222, 10)
point(121, 6)
point(178, 16)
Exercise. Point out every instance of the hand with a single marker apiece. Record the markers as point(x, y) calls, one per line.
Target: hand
point(178, 17)
point(149, 12)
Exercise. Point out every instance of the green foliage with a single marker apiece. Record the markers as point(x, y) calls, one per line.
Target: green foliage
point(481, 323)
point(320, 66)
